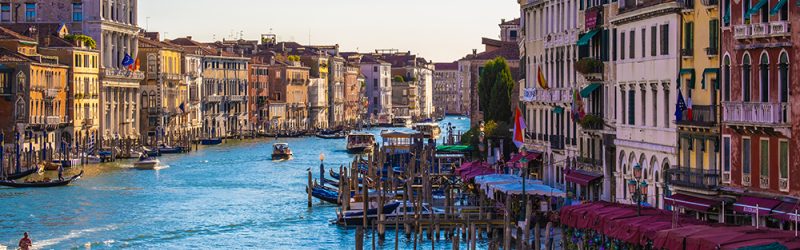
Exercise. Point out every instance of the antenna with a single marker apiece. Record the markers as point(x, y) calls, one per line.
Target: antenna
point(147, 23)
point(309, 37)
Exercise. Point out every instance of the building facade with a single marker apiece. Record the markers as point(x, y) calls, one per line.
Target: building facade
point(377, 75)
point(163, 93)
point(258, 95)
point(446, 90)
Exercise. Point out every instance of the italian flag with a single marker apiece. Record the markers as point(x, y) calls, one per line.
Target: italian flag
point(519, 128)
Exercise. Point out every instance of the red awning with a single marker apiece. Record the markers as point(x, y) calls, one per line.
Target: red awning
point(787, 211)
point(749, 205)
point(529, 156)
point(581, 177)
point(691, 202)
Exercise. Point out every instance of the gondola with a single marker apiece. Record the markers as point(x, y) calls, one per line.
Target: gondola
point(212, 141)
point(325, 194)
point(163, 149)
point(22, 174)
point(53, 183)
point(339, 135)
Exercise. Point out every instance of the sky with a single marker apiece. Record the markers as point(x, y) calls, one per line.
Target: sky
point(439, 30)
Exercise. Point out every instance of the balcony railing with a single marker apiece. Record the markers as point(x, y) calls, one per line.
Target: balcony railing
point(51, 93)
point(553, 95)
point(712, 51)
point(236, 98)
point(702, 115)
point(763, 182)
point(214, 98)
point(687, 52)
point(770, 114)
point(746, 179)
point(171, 77)
point(122, 73)
point(726, 177)
point(590, 161)
point(760, 29)
point(783, 184)
point(52, 120)
point(741, 31)
point(779, 28)
point(694, 177)
point(556, 142)
point(710, 3)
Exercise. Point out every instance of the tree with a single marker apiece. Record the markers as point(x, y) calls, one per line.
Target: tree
point(494, 91)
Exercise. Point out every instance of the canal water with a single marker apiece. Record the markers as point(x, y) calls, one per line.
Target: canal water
point(227, 196)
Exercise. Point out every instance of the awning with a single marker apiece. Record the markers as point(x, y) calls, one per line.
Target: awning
point(585, 92)
point(585, 38)
point(529, 156)
point(690, 202)
point(581, 177)
point(749, 205)
point(530, 189)
point(558, 110)
point(756, 8)
point(777, 8)
point(454, 148)
point(787, 211)
point(709, 71)
point(686, 71)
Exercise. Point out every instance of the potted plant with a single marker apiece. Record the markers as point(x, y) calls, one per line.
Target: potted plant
point(589, 66)
point(592, 122)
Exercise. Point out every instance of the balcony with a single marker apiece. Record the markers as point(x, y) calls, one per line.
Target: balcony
point(712, 51)
point(590, 68)
point(763, 182)
point(556, 142)
point(214, 98)
point(50, 93)
point(155, 110)
point(780, 28)
point(756, 113)
point(554, 95)
point(52, 120)
point(705, 179)
point(171, 77)
point(746, 179)
point(687, 52)
point(710, 3)
point(122, 74)
point(592, 122)
point(741, 31)
point(236, 98)
point(193, 74)
point(589, 161)
point(88, 122)
point(783, 184)
point(702, 115)
point(759, 29)
point(726, 177)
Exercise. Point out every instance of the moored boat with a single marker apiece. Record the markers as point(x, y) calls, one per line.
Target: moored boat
point(211, 141)
point(281, 151)
point(40, 184)
point(428, 130)
point(390, 210)
point(23, 174)
point(360, 142)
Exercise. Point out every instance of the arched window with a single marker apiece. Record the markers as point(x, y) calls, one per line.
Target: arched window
point(764, 77)
point(726, 81)
point(746, 78)
point(783, 76)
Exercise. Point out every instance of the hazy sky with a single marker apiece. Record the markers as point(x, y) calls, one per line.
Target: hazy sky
point(439, 30)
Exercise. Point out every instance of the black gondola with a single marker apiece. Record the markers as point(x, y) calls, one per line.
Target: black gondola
point(325, 194)
point(55, 183)
point(211, 141)
point(22, 174)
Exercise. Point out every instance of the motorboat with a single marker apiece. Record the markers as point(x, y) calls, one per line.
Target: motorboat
point(402, 122)
point(164, 149)
point(429, 130)
point(146, 163)
point(281, 151)
point(332, 134)
point(360, 142)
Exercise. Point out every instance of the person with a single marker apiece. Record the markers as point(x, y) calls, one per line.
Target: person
point(61, 172)
point(25, 243)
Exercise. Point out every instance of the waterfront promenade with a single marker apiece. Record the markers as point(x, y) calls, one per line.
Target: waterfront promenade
point(227, 196)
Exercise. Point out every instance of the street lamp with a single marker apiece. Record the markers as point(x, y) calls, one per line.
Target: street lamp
point(321, 166)
point(482, 136)
point(524, 162)
point(637, 187)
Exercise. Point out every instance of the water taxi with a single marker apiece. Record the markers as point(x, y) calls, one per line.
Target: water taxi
point(429, 130)
point(402, 121)
point(360, 142)
point(146, 163)
point(281, 151)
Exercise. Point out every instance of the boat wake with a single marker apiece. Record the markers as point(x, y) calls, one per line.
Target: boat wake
point(159, 167)
point(48, 243)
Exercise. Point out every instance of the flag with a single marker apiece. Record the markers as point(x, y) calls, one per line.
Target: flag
point(519, 128)
point(136, 68)
point(182, 107)
point(542, 80)
point(134, 65)
point(689, 109)
point(680, 106)
point(577, 106)
point(127, 60)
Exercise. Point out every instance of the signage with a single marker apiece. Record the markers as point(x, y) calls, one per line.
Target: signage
point(591, 18)
point(529, 94)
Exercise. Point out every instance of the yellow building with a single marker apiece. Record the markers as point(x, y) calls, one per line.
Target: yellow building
point(698, 132)
point(163, 93)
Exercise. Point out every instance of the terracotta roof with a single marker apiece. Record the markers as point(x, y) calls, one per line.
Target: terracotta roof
point(145, 42)
point(12, 56)
point(511, 22)
point(6, 33)
point(507, 52)
point(496, 43)
point(446, 66)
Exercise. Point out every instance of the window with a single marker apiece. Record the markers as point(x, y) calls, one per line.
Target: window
point(5, 12)
point(653, 39)
point(713, 34)
point(726, 81)
point(5, 83)
point(726, 154)
point(622, 46)
point(688, 41)
point(633, 44)
point(783, 76)
point(614, 44)
point(631, 107)
point(375, 69)
point(746, 156)
point(784, 12)
point(764, 73)
point(745, 8)
point(764, 165)
point(77, 12)
point(784, 160)
point(644, 42)
point(375, 82)
point(665, 39)
point(726, 19)
point(746, 78)
point(30, 12)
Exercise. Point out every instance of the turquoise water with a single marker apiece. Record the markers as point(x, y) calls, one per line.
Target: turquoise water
point(227, 196)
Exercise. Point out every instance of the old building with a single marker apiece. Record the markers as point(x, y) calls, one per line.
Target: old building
point(446, 90)
point(163, 93)
point(193, 78)
point(318, 89)
point(288, 106)
point(377, 76)
point(352, 95)
point(417, 72)
point(757, 145)
point(405, 99)
point(258, 95)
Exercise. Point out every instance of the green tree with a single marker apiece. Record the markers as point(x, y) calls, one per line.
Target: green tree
point(494, 90)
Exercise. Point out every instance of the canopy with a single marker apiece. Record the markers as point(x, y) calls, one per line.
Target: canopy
point(558, 110)
point(581, 177)
point(530, 189)
point(755, 8)
point(585, 92)
point(454, 148)
point(709, 71)
point(778, 7)
point(585, 38)
point(496, 178)
point(691, 74)
point(529, 156)
point(690, 202)
point(787, 211)
point(470, 170)
point(749, 205)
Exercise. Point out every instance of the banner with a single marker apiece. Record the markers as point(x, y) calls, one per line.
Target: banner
point(529, 94)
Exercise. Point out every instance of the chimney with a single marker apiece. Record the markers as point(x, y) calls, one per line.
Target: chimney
point(474, 52)
point(189, 37)
point(502, 21)
point(46, 41)
point(155, 36)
